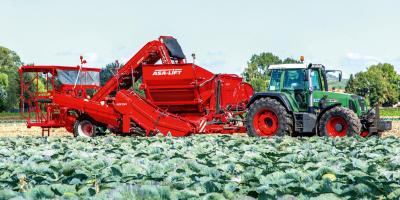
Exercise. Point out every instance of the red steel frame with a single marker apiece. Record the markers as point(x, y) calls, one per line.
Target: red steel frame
point(41, 111)
point(208, 103)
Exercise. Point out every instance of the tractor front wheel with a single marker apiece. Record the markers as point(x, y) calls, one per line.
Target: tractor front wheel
point(339, 122)
point(84, 128)
point(267, 117)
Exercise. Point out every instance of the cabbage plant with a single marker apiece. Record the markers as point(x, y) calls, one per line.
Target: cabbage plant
point(199, 167)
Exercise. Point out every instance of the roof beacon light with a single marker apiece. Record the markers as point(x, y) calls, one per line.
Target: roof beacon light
point(302, 58)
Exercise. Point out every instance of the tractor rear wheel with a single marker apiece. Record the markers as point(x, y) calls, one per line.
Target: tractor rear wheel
point(339, 122)
point(268, 117)
point(84, 128)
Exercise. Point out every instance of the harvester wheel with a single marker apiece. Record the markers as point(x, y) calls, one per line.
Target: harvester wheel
point(339, 122)
point(84, 128)
point(268, 117)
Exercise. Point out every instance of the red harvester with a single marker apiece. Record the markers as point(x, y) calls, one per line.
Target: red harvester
point(180, 98)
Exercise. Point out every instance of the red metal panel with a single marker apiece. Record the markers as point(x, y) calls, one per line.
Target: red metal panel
point(234, 92)
point(150, 117)
point(174, 87)
point(99, 112)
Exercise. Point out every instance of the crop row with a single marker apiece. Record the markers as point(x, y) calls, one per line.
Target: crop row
point(208, 167)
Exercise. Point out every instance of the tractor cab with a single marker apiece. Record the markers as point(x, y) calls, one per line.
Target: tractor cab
point(293, 79)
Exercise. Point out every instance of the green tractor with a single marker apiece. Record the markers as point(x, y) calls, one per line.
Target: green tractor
point(298, 102)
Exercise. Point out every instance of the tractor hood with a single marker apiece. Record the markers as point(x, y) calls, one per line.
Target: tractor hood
point(354, 102)
point(333, 95)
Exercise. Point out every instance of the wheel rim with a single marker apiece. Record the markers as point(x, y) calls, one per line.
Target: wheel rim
point(86, 129)
point(266, 123)
point(364, 134)
point(337, 127)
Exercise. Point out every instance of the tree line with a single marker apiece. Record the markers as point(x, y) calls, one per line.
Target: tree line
point(9, 79)
point(379, 83)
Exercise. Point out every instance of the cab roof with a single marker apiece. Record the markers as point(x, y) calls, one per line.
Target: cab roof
point(50, 68)
point(295, 66)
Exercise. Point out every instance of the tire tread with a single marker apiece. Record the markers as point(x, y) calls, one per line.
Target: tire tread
point(347, 114)
point(284, 117)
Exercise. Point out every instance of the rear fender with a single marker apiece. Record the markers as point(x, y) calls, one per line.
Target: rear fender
point(278, 96)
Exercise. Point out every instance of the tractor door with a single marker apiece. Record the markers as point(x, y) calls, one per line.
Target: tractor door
point(303, 95)
point(294, 83)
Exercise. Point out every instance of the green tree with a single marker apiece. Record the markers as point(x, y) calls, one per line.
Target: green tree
point(3, 91)
point(9, 63)
point(4, 80)
point(257, 73)
point(110, 70)
point(379, 84)
point(350, 83)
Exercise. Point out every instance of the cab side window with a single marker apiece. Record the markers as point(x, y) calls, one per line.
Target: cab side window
point(275, 82)
point(315, 79)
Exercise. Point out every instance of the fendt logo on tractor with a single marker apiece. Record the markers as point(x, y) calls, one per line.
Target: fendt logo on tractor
point(167, 72)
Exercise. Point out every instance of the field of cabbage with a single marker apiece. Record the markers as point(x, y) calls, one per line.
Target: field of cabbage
point(206, 167)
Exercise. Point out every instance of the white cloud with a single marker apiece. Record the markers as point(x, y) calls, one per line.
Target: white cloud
point(363, 58)
point(71, 58)
point(91, 57)
point(354, 62)
point(215, 61)
point(66, 53)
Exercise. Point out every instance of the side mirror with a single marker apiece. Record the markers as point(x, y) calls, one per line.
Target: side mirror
point(335, 71)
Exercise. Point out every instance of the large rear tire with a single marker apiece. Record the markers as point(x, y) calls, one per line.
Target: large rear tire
point(84, 128)
point(339, 122)
point(268, 117)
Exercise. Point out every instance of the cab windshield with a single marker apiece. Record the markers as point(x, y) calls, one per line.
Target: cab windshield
point(292, 79)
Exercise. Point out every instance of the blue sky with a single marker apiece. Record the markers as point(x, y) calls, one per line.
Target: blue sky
point(348, 35)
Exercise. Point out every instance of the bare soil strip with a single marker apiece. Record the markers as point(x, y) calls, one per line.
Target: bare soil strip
point(10, 129)
point(20, 129)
